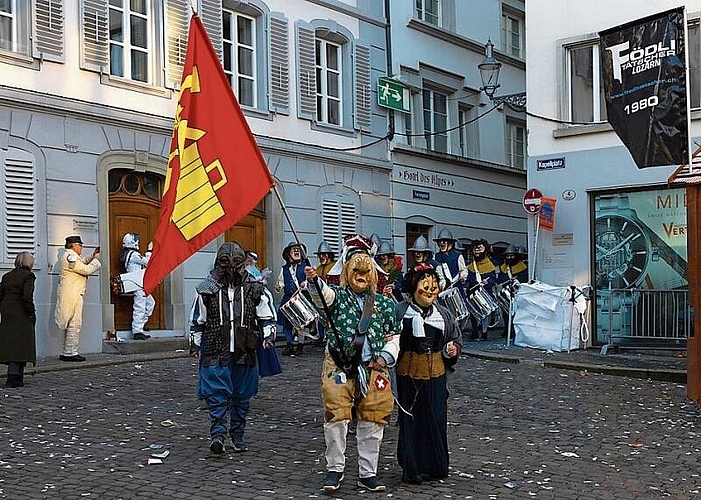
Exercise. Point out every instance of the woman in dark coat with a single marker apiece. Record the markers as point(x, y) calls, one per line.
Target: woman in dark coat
point(429, 344)
point(17, 319)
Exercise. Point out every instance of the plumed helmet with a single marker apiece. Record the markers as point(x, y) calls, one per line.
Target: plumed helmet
point(131, 241)
point(288, 248)
point(444, 234)
point(376, 239)
point(420, 245)
point(386, 248)
point(325, 248)
point(511, 249)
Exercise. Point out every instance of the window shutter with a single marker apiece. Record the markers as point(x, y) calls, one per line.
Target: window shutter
point(331, 223)
point(279, 64)
point(211, 14)
point(19, 207)
point(363, 90)
point(93, 35)
point(177, 24)
point(348, 225)
point(338, 220)
point(48, 30)
point(306, 72)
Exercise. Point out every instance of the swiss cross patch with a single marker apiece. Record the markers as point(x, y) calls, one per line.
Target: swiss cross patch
point(381, 383)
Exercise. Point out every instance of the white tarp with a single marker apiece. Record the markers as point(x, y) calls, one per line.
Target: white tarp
point(542, 317)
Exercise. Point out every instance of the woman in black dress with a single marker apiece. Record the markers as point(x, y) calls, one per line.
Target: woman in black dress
point(18, 318)
point(430, 342)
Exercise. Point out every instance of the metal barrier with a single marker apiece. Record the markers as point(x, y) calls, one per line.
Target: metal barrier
point(650, 318)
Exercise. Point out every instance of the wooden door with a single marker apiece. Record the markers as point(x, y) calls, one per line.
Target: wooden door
point(250, 234)
point(133, 212)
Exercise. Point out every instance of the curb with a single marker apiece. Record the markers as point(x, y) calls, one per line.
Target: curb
point(677, 376)
point(117, 360)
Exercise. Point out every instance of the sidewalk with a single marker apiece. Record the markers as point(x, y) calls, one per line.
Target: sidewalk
point(656, 365)
point(647, 364)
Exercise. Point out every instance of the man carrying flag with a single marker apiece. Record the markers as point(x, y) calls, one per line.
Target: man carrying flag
point(212, 150)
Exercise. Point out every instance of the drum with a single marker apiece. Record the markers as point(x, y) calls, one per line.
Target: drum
point(452, 300)
point(504, 294)
point(299, 311)
point(480, 303)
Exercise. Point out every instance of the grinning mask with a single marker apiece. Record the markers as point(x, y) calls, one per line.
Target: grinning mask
point(445, 245)
point(230, 264)
point(359, 273)
point(426, 290)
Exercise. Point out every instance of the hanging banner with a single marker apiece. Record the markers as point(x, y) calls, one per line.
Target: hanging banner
point(644, 72)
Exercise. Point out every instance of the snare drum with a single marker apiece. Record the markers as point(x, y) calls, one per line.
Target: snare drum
point(299, 311)
point(452, 300)
point(504, 294)
point(480, 303)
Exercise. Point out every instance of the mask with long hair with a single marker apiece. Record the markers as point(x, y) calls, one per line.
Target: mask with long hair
point(359, 273)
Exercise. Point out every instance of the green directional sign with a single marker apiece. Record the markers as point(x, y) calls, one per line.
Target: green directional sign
point(392, 94)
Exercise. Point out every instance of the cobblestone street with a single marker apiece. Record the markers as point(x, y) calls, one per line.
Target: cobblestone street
point(515, 431)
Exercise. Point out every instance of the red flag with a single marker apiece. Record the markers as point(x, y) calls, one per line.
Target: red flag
point(216, 173)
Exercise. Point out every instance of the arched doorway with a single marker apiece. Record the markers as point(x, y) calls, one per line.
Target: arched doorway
point(133, 207)
point(250, 232)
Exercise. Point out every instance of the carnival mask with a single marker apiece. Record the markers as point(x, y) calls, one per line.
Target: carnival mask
point(383, 259)
point(230, 264)
point(426, 291)
point(445, 245)
point(420, 257)
point(324, 259)
point(360, 272)
point(510, 259)
point(479, 252)
point(295, 255)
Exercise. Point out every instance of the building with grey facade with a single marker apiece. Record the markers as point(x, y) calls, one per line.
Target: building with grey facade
point(88, 92)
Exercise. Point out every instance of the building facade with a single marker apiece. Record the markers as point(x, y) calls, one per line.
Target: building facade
point(88, 91)
point(617, 228)
point(458, 161)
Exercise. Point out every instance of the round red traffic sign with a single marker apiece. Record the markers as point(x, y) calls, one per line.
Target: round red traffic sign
point(532, 201)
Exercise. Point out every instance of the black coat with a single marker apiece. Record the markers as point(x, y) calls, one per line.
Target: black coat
point(17, 317)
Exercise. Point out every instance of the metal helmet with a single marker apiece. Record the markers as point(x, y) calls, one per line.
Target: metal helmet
point(376, 239)
point(420, 245)
point(522, 250)
point(131, 241)
point(444, 234)
point(386, 249)
point(288, 248)
point(325, 248)
point(511, 249)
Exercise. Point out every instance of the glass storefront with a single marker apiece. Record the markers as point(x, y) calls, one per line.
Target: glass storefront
point(640, 266)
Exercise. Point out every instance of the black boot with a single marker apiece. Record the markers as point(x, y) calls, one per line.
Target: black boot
point(14, 381)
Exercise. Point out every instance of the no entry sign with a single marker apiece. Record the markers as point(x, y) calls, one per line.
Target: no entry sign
point(532, 201)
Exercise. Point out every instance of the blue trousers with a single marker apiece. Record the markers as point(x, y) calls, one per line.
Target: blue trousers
point(227, 390)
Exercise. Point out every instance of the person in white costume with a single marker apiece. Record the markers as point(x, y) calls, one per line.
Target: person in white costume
point(73, 281)
point(143, 304)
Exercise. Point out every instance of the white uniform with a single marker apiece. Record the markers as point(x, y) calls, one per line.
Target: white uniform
point(69, 297)
point(143, 304)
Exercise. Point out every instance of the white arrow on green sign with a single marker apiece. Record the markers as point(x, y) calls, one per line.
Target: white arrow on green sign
point(392, 94)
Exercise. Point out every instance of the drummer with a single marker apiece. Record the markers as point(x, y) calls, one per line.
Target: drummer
point(481, 271)
point(451, 269)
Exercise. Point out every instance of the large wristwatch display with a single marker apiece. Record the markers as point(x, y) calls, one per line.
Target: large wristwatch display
point(625, 247)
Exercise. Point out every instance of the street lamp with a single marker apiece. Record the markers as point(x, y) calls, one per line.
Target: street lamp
point(489, 72)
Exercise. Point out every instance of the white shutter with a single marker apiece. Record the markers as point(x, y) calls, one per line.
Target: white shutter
point(211, 14)
point(177, 24)
point(363, 90)
point(93, 35)
point(279, 64)
point(48, 30)
point(331, 223)
point(338, 220)
point(19, 208)
point(348, 225)
point(306, 71)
